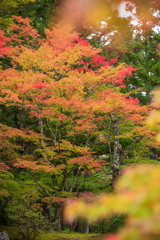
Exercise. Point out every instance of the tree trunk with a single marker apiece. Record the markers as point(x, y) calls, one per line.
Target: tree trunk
point(58, 218)
point(85, 227)
point(74, 225)
point(49, 214)
point(116, 154)
point(41, 130)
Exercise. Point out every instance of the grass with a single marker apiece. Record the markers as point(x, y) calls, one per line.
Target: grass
point(14, 235)
point(67, 236)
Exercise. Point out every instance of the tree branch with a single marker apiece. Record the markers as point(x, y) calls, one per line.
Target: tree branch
point(75, 180)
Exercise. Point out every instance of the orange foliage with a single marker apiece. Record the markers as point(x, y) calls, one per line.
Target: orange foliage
point(62, 80)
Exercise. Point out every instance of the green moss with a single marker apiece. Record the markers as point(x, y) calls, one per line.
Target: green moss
point(65, 236)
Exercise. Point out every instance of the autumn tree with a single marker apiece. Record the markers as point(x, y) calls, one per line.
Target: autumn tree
point(60, 97)
point(71, 101)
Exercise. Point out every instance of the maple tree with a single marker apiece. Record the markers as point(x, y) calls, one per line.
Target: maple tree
point(63, 96)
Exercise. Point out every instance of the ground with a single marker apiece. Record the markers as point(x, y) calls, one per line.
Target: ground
point(13, 234)
point(70, 236)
